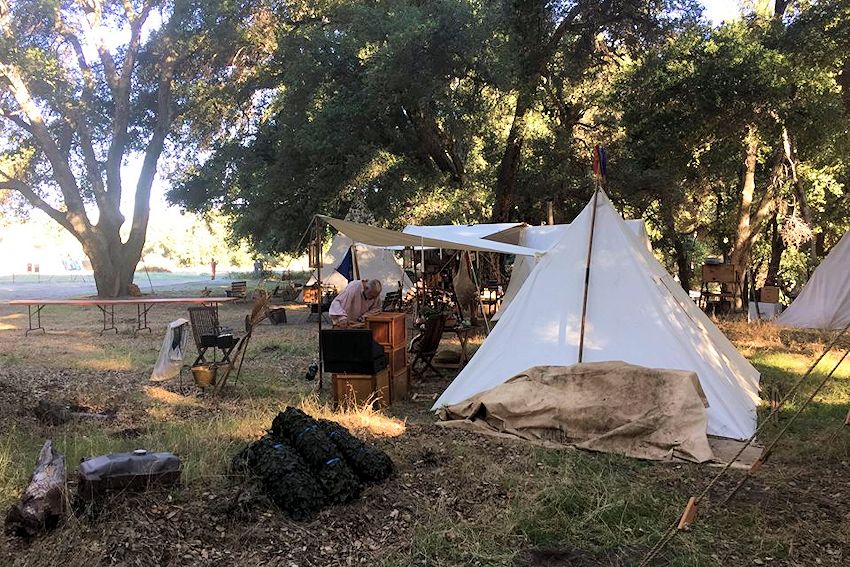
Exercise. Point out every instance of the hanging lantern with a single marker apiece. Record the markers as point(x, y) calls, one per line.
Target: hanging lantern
point(314, 251)
point(407, 259)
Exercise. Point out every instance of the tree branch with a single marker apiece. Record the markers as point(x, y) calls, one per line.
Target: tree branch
point(36, 201)
point(59, 163)
point(141, 205)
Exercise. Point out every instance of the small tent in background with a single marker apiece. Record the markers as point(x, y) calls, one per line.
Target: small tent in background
point(360, 260)
point(543, 238)
point(636, 313)
point(824, 302)
point(370, 261)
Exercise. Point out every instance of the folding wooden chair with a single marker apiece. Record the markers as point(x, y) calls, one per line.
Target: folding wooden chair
point(209, 335)
point(425, 346)
point(392, 301)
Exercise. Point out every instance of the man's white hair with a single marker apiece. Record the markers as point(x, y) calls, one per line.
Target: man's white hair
point(375, 285)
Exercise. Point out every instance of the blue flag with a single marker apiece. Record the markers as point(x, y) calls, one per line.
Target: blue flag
point(346, 267)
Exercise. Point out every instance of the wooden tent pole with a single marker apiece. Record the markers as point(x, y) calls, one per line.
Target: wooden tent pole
point(354, 262)
point(587, 274)
point(317, 242)
point(478, 290)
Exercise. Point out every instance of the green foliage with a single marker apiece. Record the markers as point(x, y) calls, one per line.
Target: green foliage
point(408, 104)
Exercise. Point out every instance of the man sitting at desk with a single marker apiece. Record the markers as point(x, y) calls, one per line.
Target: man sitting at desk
point(359, 299)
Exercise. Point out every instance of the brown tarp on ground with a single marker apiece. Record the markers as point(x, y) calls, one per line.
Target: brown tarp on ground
point(611, 407)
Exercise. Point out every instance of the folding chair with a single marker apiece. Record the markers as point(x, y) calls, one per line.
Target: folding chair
point(392, 301)
point(209, 335)
point(425, 345)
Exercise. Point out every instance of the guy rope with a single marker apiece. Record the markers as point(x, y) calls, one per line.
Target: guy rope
point(685, 521)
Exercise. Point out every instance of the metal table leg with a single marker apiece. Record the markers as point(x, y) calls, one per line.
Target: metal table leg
point(111, 311)
point(142, 315)
point(37, 314)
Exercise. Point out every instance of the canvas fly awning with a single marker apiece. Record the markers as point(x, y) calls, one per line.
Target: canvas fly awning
point(375, 236)
point(507, 232)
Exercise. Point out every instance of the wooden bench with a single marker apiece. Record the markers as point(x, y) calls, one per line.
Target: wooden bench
point(239, 290)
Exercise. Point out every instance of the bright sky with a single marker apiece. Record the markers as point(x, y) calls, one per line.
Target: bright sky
point(717, 11)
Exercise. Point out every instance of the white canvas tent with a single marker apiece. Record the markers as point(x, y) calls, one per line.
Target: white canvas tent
point(507, 232)
point(543, 238)
point(636, 313)
point(372, 262)
point(824, 302)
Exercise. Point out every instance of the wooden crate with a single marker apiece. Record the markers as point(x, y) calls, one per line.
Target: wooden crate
point(400, 385)
point(396, 359)
point(357, 388)
point(769, 294)
point(388, 329)
point(721, 273)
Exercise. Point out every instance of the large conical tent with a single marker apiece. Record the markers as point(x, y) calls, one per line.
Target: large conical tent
point(636, 313)
point(543, 238)
point(824, 302)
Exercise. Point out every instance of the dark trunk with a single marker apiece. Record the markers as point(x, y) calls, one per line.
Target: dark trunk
point(743, 235)
point(683, 261)
point(777, 247)
point(509, 166)
point(844, 82)
point(113, 264)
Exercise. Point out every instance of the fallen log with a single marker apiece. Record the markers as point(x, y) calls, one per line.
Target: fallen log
point(42, 505)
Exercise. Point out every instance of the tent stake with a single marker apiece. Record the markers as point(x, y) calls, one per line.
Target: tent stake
point(587, 275)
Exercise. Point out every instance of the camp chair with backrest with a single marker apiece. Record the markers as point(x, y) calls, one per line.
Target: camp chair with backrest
point(209, 335)
point(392, 301)
point(424, 346)
point(238, 290)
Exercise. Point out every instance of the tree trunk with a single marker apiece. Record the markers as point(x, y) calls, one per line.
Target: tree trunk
point(777, 247)
point(683, 263)
point(113, 263)
point(509, 166)
point(743, 235)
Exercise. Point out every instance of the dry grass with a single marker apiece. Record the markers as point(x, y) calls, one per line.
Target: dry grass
point(458, 498)
point(359, 418)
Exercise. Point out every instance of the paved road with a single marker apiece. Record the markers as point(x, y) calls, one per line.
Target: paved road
point(66, 287)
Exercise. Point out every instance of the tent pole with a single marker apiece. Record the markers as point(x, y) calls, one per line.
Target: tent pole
point(318, 245)
point(354, 262)
point(478, 290)
point(587, 274)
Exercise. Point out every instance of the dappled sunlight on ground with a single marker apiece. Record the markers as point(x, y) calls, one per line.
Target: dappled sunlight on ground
point(115, 364)
point(357, 418)
point(171, 398)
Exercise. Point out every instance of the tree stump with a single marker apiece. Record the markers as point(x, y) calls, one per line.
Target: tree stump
point(42, 505)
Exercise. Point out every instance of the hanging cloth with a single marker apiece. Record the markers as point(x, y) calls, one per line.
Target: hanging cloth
point(171, 353)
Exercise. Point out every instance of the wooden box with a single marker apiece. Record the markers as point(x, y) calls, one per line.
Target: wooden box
point(388, 329)
point(721, 273)
point(396, 359)
point(400, 385)
point(355, 389)
point(769, 294)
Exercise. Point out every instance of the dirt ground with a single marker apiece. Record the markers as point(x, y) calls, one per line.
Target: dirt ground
point(457, 498)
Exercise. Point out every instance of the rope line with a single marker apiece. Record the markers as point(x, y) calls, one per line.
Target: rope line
point(671, 533)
